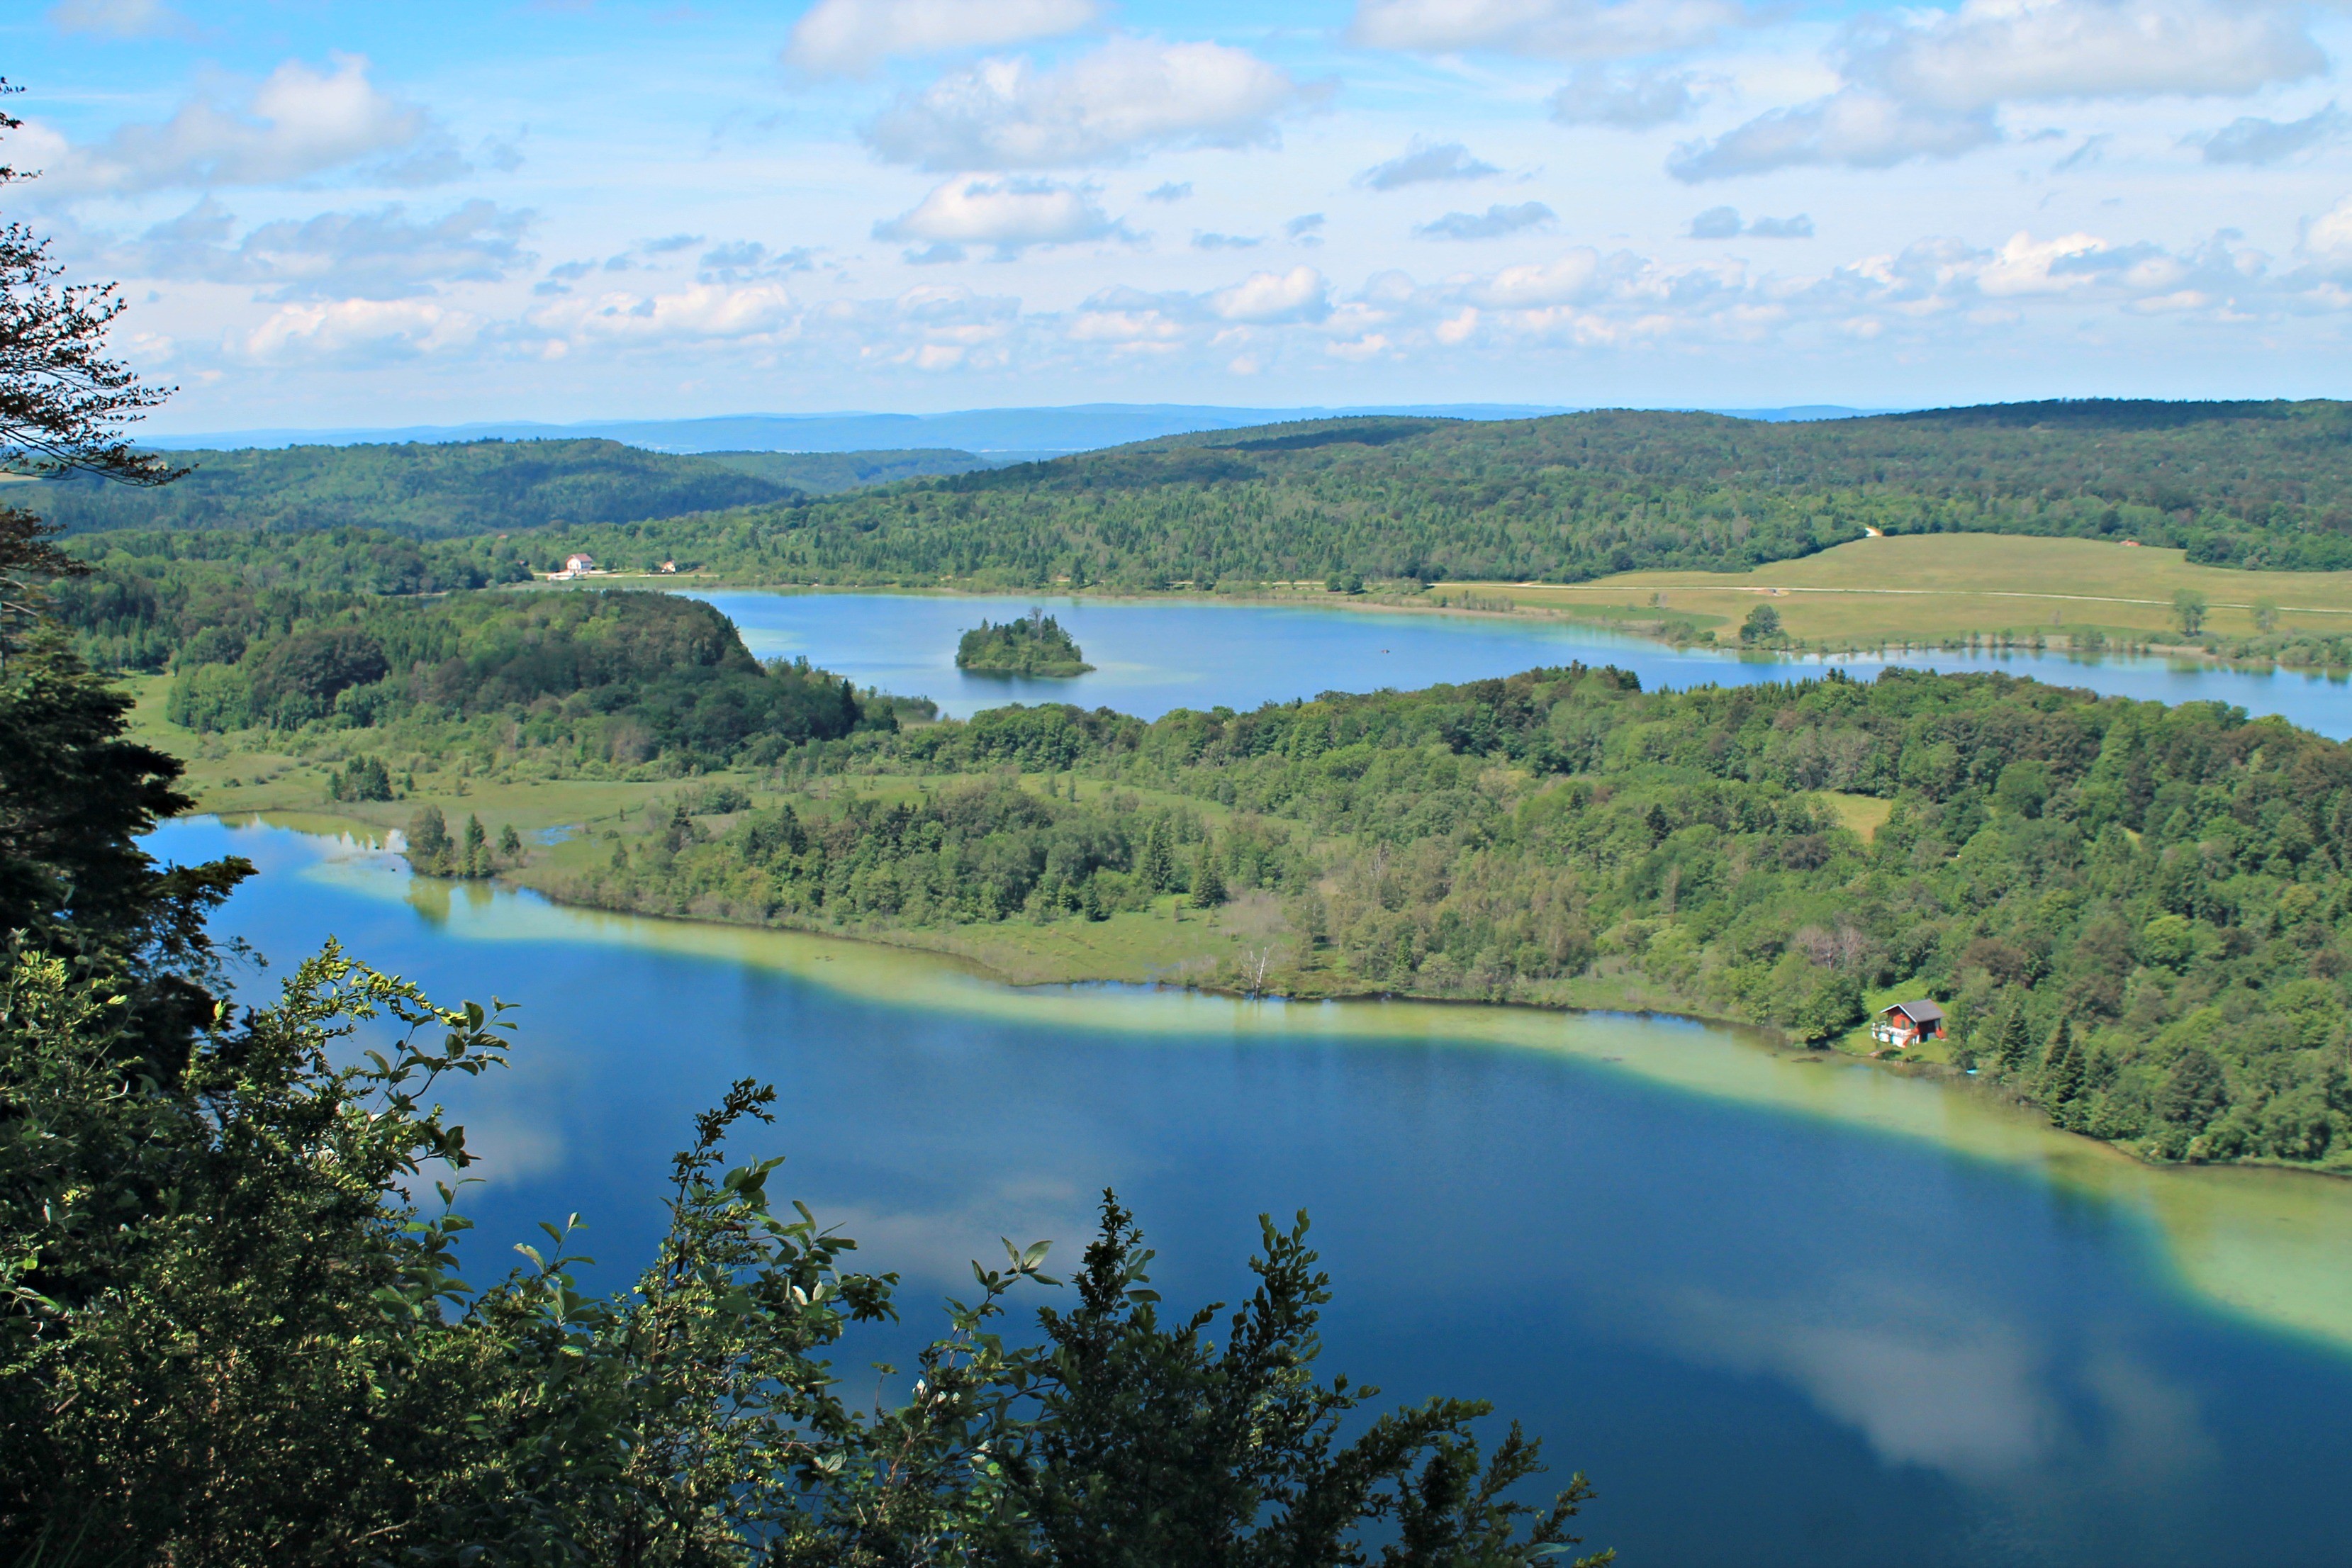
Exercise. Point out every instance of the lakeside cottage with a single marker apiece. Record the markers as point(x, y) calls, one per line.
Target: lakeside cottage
point(573, 566)
point(1907, 1024)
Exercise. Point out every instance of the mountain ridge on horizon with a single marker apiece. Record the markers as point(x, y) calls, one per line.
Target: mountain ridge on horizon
point(1042, 431)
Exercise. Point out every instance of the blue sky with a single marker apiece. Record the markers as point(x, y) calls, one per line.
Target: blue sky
point(332, 214)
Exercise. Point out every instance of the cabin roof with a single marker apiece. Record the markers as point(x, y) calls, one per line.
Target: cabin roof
point(1918, 1012)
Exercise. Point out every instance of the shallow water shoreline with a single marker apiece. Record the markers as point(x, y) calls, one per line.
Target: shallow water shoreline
point(2270, 1246)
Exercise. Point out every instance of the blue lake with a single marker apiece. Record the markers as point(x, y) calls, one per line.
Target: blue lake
point(1154, 654)
point(1771, 1337)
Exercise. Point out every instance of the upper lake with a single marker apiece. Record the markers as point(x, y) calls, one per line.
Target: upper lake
point(1784, 1311)
point(1154, 654)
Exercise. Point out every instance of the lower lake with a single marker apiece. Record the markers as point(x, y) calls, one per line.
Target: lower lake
point(1153, 655)
point(1783, 1311)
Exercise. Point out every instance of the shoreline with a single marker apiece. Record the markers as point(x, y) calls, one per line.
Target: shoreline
point(1508, 600)
point(2247, 1238)
point(989, 966)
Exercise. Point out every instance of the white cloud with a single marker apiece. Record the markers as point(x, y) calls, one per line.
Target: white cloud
point(1128, 96)
point(1263, 299)
point(2328, 238)
point(380, 255)
point(2041, 51)
point(1927, 84)
point(1853, 129)
point(362, 330)
point(1011, 214)
point(706, 312)
point(1627, 101)
point(748, 260)
point(1423, 165)
point(1568, 29)
point(121, 19)
point(1724, 223)
point(1716, 222)
point(853, 36)
point(300, 122)
point(1493, 224)
point(2249, 140)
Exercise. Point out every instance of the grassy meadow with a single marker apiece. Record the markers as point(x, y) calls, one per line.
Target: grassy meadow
point(1930, 587)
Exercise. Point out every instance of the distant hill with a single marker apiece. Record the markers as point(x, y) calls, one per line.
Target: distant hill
point(1033, 432)
point(2264, 485)
point(830, 473)
point(420, 489)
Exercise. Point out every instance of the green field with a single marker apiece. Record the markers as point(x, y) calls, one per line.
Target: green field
point(1931, 587)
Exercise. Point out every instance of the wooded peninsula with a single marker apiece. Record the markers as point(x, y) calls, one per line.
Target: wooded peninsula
point(2132, 915)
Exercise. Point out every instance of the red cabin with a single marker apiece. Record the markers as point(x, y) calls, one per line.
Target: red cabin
point(1907, 1024)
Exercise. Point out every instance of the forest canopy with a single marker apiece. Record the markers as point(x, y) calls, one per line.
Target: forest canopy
point(422, 489)
point(592, 683)
point(1564, 499)
point(2167, 889)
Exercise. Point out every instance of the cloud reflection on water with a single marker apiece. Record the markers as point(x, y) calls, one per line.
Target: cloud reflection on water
point(1962, 1391)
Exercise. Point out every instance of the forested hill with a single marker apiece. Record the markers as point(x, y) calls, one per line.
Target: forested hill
point(424, 490)
point(2248, 484)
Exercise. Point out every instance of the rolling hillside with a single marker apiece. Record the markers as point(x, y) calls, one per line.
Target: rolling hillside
point(1567, 499)
point(426, 491)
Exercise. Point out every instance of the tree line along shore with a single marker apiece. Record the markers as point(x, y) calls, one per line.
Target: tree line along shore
point(2130, 913)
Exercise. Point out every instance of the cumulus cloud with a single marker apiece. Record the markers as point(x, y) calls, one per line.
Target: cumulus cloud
point(1493, 224)
point(2040, 51)
point(747, 261)
point(1716, 222)
point(300, 122)
point(2248, 139)
point(2328, 238)
point(121, 19)
point(1267, 298)
point(363, 255)
point(1421, 166)
point(1568, 29)
point(1305, 229)
point(1626, 101)
point(1127, 97)
point(853, 37)
point(705, 312)
point(1724, 223)
point(1927, 84)
point(360, 331)
point(1011, 214)
point(1853, 129)
point(1169, 191)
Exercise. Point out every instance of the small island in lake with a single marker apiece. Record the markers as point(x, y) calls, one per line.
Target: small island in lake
point(1036, 644)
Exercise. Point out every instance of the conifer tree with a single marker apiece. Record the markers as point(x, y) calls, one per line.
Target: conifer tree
point(1157, 865)
point(2016, 1036)
point(1208, 880)
point(2062, 1069)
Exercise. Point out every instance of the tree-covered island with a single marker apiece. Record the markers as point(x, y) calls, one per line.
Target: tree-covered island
point(1034, 643)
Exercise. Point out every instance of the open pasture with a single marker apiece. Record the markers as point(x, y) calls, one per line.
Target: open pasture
point(1927, 587)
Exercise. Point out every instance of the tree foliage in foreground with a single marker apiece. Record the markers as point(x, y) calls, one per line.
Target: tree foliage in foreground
point(226, 1337)
point(2172, 888)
